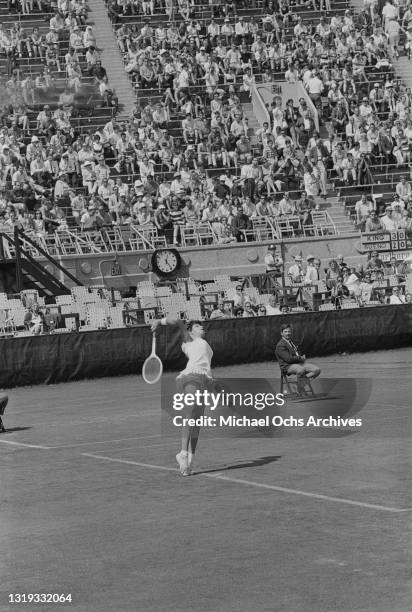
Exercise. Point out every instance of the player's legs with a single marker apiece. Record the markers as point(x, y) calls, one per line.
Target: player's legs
point(195, 431)
point(189, 435)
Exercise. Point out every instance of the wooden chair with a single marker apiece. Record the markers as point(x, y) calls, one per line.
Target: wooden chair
point(290, 387)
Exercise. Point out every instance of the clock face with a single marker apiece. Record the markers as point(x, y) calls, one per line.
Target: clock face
point(166, 261)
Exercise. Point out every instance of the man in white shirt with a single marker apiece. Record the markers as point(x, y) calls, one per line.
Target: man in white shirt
point(389, 12)
point(241, 29)
point(213, 29)
point(295, 271)
point(273, 262)
point(220, 312)
point(388, 223)
point(311, 275)
point(396, 297)
point(272, 308)
point(403, 189)
point(314, 86)
point(363, 208)
point(364, 290)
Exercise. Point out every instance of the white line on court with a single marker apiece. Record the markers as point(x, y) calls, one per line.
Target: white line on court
point(107, 419)
point(105, 441)
point(25, 445)
point(250, 483)
point(160, 444)
point(127, 462)
point(79, 403)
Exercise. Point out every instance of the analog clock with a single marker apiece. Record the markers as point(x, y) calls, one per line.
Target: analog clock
point(166, 261)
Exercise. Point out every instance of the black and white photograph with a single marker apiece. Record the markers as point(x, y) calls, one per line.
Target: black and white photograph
point(205, 305)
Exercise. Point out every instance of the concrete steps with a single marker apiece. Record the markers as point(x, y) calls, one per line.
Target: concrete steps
point(111, 56)
point(252, 121)
point(337, 213)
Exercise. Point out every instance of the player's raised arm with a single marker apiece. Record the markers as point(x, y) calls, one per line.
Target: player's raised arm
point(169, 320)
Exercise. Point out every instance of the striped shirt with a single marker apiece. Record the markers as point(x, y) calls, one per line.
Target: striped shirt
point(177, 217)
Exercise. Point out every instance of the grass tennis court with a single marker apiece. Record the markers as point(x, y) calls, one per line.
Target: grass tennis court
point(93, 504)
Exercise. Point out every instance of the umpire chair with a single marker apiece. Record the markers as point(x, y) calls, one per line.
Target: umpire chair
point(291, 387)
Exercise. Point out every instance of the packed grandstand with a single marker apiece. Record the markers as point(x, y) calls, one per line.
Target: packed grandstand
point(189, 164)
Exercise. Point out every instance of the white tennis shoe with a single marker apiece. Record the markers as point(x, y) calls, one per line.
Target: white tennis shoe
point(183, 461)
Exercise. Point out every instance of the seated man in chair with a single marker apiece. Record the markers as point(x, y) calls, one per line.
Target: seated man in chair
point(291, 362)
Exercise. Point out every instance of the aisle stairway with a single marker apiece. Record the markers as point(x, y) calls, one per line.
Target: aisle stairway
point(253, 123)
point(111, 57)
point(403, 68)
point(336, 210)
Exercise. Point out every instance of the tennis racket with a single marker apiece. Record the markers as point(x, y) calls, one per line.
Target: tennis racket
point(152, 367)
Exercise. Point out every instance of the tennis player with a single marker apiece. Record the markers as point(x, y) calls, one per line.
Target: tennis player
point(196, 376)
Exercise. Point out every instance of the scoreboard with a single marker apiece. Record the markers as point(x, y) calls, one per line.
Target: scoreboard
point(396, 243)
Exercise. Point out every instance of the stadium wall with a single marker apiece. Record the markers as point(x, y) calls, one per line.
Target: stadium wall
point(72, 356)
point(203, 263)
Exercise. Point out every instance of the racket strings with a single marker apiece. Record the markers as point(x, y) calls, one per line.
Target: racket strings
point(152, 369)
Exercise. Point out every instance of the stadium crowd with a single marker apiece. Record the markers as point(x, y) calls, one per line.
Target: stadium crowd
point(213, 168)
point(185, 158)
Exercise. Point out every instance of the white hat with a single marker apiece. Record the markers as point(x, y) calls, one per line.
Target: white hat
point(298, 258)
point(222, 177)
point(87, 163)
point(138, 184)
point(34, 139)
point(309, 257)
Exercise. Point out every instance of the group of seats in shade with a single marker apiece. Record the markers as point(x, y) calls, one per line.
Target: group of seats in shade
point(94, 308)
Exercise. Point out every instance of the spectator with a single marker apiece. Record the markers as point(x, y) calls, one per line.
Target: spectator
point(387, 221)
point(396, 297)
point(374, 264)
point(220, 312)
point(273, 262)
point(295, 271)
point(248, 310)
point(363, 209)
point(272, 308)
point(312, 273)
point(373, 223)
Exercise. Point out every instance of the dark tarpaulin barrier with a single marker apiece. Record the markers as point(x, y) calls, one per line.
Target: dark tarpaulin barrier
point(64, 357)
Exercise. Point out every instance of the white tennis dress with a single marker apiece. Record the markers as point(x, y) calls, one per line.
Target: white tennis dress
point(199, 356)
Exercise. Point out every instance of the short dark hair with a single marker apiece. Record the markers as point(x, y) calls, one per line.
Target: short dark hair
point(284, 325)
point(192, 323)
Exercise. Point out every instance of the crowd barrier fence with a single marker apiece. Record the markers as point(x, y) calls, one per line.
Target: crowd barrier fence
point(67, 357)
